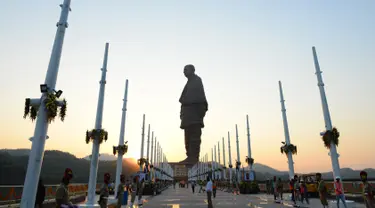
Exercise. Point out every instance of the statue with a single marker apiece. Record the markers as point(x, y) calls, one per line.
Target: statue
point(193, 109)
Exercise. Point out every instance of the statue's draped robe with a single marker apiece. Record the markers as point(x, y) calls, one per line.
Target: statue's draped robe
point(193, 109)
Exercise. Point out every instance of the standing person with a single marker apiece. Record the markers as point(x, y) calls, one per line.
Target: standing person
point(214, 188)
point(120, 191)
point(140, 191)
point(104, 191)
point(367, 191)
point(268, 186)
point(291, 188)
point(133, 190)
point(339, 190)
point(193, 109)
point(297, 189)
point(304, 193)
point(280, 188)
point(193, 186)
point(62, 193)
point(40, 195)
point(322, 189)
point(274, 188)
point(209, 192)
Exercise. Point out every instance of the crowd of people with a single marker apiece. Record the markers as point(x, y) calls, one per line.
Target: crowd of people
point(297, 187)
point(299, 190)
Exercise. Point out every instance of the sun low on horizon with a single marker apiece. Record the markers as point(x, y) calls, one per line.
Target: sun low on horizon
point(240, 50)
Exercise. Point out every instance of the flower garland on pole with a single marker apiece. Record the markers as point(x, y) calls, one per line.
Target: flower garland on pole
point(53, 107)
point(99, 134)
point(330, 137)
point(121, 149)
point(249, 161)
point(286, 148)
point(142, 161)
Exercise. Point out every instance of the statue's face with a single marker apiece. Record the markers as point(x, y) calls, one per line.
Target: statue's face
point(188, 71)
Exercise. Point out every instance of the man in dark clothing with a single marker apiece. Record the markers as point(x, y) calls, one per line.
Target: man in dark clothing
point(40, 195)
point(193, 109)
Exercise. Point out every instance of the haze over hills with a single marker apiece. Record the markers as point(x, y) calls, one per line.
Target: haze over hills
point(103, 157)
point(13, 164)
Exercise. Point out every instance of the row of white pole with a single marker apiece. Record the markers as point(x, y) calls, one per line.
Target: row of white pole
point(328, 125)
point(161, 170)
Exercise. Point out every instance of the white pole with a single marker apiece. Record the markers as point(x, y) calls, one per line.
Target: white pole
point(152, 156)
point(218, 154)
point(152, 148)
point(143, 142)
point(238, 154)
point(155, 150)
point(327, 117)
point(148, 143)
point(225, 171)
point(230, 159)
point(286, 132)
point(40, 133)
point(98, 125)
point(248, 141)
point(121, 140)
point(212, 163)
point(215, 163)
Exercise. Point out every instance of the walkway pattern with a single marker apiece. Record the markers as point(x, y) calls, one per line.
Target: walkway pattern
point(184, 198)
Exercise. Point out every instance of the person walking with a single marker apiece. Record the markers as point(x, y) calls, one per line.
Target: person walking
point(209, 192)
point(274, 188)
point(214, 188)
point(104, 191)
point(304, 193)
point(291, 188)
point(322, 189)
point(133, 191)
point(62, 192)
point(280, 188)
point(120, 191)
point(193, 186)
point(339, 192)
point(367, 191)
point(40, 195)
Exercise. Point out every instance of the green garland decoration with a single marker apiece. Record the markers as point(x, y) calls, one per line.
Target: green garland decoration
point(101, 134)
point(330, 137)
point(51, 107)
point(63, 110)
point(250, 160)
point(285, 149)
point(33, 113)
point(27, 108)
point(120, 149)
point(141, 161)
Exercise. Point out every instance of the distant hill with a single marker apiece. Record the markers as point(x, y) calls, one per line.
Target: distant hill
point(103, 157)
point(13, 164)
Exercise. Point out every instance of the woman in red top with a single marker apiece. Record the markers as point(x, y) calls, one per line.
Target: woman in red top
point(339, 190)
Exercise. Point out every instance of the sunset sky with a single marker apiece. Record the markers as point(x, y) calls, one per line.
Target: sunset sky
point(240, 48)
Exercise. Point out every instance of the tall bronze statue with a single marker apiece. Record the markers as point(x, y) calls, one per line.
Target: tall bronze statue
point(193, 109)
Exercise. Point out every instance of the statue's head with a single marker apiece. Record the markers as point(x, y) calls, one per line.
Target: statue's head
point(189, 70)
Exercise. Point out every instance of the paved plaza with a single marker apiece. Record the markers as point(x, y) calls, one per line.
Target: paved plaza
point(184, 198)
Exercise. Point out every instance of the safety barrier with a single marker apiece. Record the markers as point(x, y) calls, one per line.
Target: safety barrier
point(12, 194)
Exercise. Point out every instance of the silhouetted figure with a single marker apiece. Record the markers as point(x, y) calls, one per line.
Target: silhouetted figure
point(40, 195)
point(193, 109)
point(104, 191)
point(62, 192)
